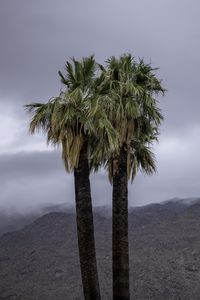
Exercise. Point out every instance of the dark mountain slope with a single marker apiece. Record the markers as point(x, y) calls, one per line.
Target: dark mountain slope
point(41, 260)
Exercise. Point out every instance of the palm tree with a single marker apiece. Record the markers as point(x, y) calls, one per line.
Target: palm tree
point(74, 120)
point(135, 117)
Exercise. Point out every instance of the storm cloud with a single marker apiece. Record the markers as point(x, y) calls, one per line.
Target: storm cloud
point(36, 40)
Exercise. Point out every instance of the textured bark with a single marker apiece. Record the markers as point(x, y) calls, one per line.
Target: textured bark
point(120, 251)
point(85, 229)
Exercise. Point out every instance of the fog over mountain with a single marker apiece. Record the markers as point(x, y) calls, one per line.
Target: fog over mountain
point(14, 220)
point(36, 40)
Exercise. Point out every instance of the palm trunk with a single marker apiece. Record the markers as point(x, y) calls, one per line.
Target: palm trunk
point(120, 252)
point(85, 228)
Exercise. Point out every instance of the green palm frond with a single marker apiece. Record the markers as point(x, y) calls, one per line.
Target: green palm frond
point(79, 73)
point(141, 158)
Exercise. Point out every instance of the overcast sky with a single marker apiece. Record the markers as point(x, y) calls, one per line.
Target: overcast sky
point(37, 37)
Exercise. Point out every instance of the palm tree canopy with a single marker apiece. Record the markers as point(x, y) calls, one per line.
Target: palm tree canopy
point(75, 115)
point(108, 105)
point(131, 87)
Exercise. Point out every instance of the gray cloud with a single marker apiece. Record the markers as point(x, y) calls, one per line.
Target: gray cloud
point(178, 171)
point(29, 164)
point(30, 180)
point(36, 40)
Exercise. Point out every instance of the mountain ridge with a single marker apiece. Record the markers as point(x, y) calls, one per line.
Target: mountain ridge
point(41, 260)
point(14, 221)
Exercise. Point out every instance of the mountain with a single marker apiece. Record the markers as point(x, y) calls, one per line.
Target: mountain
point(14, 220)
point(41, 261)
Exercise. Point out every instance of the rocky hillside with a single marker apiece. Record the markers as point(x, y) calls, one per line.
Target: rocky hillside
point(40, 261)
